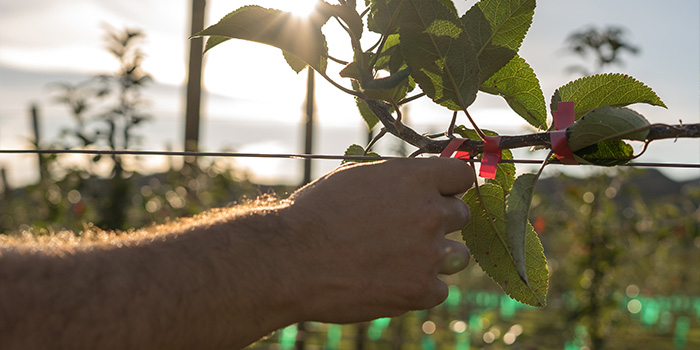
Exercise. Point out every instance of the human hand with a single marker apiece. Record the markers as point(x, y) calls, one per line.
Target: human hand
point(374, 237)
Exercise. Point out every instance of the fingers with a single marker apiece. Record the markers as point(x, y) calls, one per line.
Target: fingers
point(456, 214)
point(455, 257)
point(452, 176)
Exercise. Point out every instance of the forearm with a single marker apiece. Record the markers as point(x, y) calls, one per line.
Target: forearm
point(363, 242)
point(199, 283)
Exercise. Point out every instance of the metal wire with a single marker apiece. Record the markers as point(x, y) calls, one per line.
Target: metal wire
point(294, 156)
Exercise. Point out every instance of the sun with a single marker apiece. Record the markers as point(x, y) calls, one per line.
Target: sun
point(301, 8)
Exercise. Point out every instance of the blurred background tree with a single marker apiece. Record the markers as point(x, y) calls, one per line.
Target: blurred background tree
point(601, 47)
point(106, 109)
point(109, 191)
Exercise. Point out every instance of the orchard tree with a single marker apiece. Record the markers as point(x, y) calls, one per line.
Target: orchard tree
point(426, 45)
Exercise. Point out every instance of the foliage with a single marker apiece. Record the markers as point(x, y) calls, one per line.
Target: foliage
point(73, 201)
point(612, 240)
point(605, 45)
point(106, 109)
point(451, 58)
point(108, 106)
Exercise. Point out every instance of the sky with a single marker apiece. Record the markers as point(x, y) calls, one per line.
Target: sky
point(255, 100)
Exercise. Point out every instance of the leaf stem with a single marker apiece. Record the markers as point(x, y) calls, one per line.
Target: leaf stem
point(385, 37)
point(412, 98)
point(336, 60)
point(381, 134)
point(476, 127)
point(340, 87)
point(451, 129)
point(356, 46)
point(366, 11)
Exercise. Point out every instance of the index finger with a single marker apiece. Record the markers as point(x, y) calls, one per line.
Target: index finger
point(452, 176)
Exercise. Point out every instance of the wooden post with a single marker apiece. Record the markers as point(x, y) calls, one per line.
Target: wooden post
point(194, 80)
point(300, 343)
point(309, 123)
point(3, 179)
point(360, 336)
point(36, 127)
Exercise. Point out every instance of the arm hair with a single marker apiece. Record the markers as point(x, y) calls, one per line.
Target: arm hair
point(201, 282)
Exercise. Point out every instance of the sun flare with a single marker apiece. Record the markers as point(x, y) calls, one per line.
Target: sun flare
point(301, 8)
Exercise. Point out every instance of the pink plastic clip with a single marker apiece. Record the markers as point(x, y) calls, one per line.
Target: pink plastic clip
point(491, 157)
point(452, 148)
point(563, 117)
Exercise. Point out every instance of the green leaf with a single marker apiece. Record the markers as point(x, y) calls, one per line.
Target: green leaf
point(380, 15)
point(490, 248)
point(357, 150)
point(517, 213)
point(616, 90)
point(605, 123)
point(606, 153)
point(497, 29)
point(294, 62)
point(355, 71)
point(505, 172)
point(345, 12)
point(450, 5)
point(391, 58)
point(299, 37)
point(369, 117)
point(214, 41)
point(519, 86)
point(391, 89)
point(438, 50)
point(389, 82)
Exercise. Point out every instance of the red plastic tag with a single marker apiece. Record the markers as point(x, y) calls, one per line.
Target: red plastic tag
point(563, 117)
point(491, 157)
point(452, 148)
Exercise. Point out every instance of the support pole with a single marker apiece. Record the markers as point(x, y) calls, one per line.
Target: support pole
point(300, 343)
point(194, 80)
point(36, 128)
point(309, 123)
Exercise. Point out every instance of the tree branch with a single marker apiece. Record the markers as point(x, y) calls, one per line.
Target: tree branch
point(427, 145)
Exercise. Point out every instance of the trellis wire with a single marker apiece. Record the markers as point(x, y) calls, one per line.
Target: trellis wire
point(295, 156)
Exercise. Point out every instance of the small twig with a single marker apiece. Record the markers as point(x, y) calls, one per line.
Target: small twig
point(399, 116)
point(412, 98)
point(336, 60)
point(356, 46)
point(416, 153)
point(451, 130)
point(381, 134)
point(646, 145)
point(544, 163)
point(340, 87)
point(366, 11)
point(374, 46)
point(476, 127)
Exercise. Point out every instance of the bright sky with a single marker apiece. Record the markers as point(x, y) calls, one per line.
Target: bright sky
point(66, 36)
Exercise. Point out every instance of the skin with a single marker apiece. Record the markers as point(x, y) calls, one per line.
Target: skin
point(364, 241)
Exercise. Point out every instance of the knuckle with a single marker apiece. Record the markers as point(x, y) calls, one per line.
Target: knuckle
point(435, 294)
point(432, 219)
